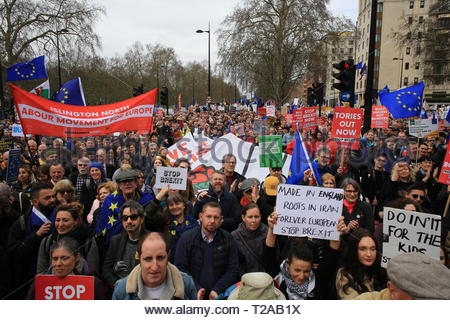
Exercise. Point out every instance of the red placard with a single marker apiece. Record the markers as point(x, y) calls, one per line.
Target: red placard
point(346, 126)
point(444, 177)
point(380, 117)
point(49, 287)
point(289, 118)
point(297, 117)
point(309, 118)
point(262, 112)
point(45, 117)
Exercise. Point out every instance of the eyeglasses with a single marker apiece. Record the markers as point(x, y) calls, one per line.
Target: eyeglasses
point(82, 165)
point(382, 160)
point(133, 217)
point(140, 177)
point(65, 191)
point(351, 191)
point(417, 196)
point(231, 162)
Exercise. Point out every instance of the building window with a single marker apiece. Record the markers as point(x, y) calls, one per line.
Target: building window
point(377, 52)
point(421, 19)
point(417, 65)
point(408, 36)
point(419, 35)
point(377, 37)
point(416, 80)
point(410, 20)
point(405, 81)
point(408, 50)
point(350, 50)
point(406, 65)
point(350, 42)
point(376, 67)
point(422, 3)
point(378, 23)
point(411, 4)
point(380, 7)
point(342, 50)
point(418, 50)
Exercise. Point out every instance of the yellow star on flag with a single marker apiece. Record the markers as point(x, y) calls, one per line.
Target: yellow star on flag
point(113, 206)
point(111, 220)
point(114, 193)
point(104, 231)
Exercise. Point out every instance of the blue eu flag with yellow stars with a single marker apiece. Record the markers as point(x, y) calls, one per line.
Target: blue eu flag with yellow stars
point(33, 69)
point(71, 93)
point(403, 103)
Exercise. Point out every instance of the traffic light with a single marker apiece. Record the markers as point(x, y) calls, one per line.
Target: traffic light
point(164, 96)
point(346, 76)
point(138, 91)
point(317, 93)
point(309, 97)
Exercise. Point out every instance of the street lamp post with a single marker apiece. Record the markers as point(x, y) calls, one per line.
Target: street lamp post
point(401, 71)
point(209, 59)
point(57, 50)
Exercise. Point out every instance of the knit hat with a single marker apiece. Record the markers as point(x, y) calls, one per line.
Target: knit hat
point(99, 166)
point(420, 276)
point(256, 286)
point(271, 185)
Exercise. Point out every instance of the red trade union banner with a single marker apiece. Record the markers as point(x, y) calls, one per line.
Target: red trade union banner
point(50, 287)
point(45, 117)
point(444, 177)
point(380, 117)
point(346, 126)
point(309, 117)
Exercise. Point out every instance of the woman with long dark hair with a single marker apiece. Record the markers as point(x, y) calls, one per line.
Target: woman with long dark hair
point(360, 269)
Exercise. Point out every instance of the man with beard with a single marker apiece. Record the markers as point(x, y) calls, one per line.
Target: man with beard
point(209, 254)
point(80, 177)
point(120, 258)
point(227, 201)
point(26, 234)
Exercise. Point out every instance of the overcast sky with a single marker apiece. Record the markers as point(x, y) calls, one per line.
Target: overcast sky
point(173, 23)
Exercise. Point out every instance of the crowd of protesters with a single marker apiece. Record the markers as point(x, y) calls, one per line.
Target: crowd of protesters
point(88, 206)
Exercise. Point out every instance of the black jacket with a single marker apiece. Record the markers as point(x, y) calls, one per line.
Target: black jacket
point(362, 212)
point(115, 253)
point(229, 205)
point(191, 257)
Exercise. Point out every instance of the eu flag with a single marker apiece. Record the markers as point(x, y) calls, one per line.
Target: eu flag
point(403, 103)
point(33, 69)
point(70, 93)
point(300, 163)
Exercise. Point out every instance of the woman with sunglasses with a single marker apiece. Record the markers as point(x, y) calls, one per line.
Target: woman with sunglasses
point(66, 259)
point(67, 224)
point(64, 192)
point(357, 213)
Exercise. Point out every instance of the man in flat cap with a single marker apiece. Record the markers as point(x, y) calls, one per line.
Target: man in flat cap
point(413, 276)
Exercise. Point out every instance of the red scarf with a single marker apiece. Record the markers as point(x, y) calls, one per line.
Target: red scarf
point(349, 206)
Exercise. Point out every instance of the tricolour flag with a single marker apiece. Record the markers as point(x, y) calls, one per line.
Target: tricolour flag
point(33, 69)
point(301, 162)
point(42, 90)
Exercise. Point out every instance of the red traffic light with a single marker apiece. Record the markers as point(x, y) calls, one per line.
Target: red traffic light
point(346, 65)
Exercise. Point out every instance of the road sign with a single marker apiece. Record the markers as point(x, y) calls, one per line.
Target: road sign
point(345, 96)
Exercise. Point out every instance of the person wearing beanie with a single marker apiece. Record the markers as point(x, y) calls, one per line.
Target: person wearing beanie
point(413, 276)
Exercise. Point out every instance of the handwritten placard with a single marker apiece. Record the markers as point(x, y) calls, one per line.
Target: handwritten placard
point(409, 231)
point(174, 178)
point(308, 211)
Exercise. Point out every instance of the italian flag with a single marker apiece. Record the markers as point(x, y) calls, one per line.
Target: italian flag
point(42, 90)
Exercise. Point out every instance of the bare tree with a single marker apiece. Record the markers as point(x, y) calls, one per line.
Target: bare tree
point(428, 40)
point(30, 26)
point(268, 43)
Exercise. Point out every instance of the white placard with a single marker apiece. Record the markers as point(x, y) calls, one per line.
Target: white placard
point(270, 111)
point(421, 127)
point(17, 131)
point(409, 231)
point(308, 211)
point(174, 178)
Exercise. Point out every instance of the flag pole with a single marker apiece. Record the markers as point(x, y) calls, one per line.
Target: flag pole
point(307, 157)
